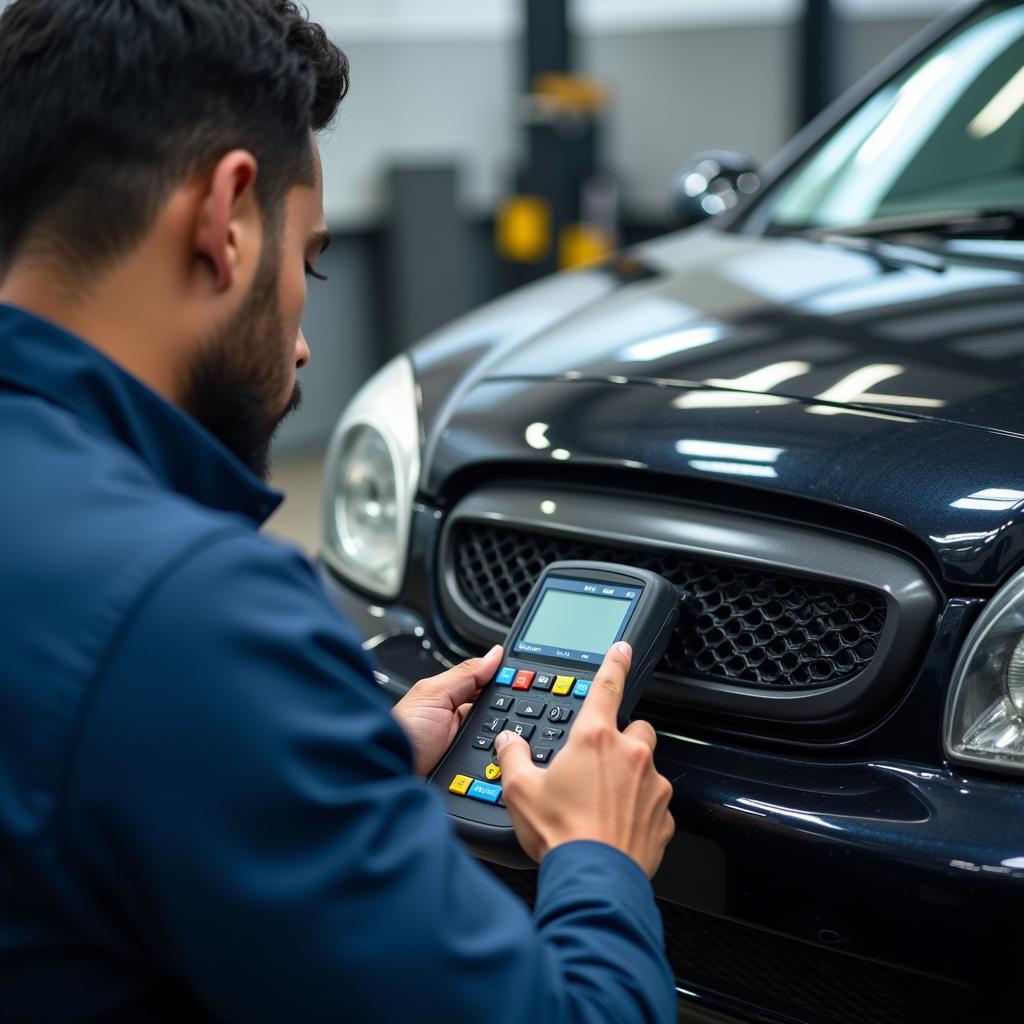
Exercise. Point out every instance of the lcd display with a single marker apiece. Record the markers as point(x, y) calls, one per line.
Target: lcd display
point(572, 621)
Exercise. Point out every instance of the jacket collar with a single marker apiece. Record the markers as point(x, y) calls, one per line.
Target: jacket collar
point(41, 358)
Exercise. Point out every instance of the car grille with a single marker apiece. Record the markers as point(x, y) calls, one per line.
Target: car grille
point(742, 625)
point(750, 968)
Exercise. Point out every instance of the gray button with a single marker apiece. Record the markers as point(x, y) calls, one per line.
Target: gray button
point(530, 708)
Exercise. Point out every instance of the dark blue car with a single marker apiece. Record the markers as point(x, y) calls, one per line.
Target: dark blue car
point(808, 412)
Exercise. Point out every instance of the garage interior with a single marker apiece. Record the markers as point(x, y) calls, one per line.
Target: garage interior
point(418, 167)
point(699, 320)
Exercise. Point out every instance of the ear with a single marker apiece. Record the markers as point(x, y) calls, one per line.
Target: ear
point(228, 226)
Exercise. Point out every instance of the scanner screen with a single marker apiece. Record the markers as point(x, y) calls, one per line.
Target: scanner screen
point(575, 623)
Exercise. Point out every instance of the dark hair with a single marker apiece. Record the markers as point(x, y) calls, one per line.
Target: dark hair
point(107, 105)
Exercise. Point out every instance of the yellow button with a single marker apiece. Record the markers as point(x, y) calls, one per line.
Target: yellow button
point(563, 684)
point(459, 785)
point(492, 772)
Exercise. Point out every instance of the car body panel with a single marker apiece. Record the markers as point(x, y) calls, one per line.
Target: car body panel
point(873, 846)
point(463, 350)
point(916, 474)
point(842, 392)
point(852, 371)
point(728, 308)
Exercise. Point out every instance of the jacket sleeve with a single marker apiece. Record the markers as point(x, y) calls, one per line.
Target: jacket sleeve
point(242, 793)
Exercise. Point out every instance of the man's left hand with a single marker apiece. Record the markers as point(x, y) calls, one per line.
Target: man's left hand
point(433, 709)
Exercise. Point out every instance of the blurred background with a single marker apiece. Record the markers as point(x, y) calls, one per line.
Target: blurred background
point(486, 143)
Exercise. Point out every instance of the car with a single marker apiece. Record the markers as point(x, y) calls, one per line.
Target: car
point(807, 412)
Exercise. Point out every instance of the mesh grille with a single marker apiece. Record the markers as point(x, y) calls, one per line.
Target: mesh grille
point(784, 976)
point(742, 626)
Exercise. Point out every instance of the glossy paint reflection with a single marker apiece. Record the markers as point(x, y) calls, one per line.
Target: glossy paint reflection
point(932, 478)
point(756, 323)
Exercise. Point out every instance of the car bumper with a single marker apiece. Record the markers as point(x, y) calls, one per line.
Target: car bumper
point(788, 871)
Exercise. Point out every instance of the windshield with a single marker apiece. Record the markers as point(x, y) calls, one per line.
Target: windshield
point(947, 134)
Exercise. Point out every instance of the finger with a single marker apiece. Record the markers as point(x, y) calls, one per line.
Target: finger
point(606, 691)
point(513, 753)
point(641, 730)
point(668, 829)
point(463, 711)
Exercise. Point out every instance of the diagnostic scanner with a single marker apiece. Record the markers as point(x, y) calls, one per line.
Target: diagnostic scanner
point(574, 613)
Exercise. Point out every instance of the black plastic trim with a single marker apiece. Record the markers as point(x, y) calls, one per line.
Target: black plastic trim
point(911, 603)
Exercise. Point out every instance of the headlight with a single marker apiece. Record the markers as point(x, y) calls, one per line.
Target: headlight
point(373, 465)
point(985, 707)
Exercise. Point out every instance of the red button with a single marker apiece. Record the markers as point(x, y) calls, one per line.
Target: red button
point(522, 680)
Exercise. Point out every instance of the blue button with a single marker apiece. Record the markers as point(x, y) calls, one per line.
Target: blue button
point(485, 791)
point(505, 676)
point(582, 688)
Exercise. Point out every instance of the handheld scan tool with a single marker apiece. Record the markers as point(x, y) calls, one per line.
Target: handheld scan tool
point(573, 614)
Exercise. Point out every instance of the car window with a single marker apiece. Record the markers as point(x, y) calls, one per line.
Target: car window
point(946, 134)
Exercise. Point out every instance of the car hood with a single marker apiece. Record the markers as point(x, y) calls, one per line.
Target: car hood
point(781, 364)
point(793, 318)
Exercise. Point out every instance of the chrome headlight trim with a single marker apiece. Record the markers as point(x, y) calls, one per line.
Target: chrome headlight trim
point(387, 406)
point(980, 676)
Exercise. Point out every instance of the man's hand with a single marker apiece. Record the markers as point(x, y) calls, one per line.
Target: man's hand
point(602, 785)
point(433, 709)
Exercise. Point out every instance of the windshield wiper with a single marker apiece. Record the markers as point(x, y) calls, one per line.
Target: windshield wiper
point(888, 255)
point(1002, 222)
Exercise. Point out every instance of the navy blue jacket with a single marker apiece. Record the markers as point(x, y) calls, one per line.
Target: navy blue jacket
point(207, 810)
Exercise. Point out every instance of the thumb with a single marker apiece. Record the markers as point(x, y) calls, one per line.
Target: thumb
point(481, 670)
point(513, 753)
point(464, 681)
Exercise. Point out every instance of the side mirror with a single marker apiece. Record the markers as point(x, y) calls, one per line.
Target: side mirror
point(711, 183)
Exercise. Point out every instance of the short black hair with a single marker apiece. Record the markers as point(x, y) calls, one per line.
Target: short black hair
point(107, 105)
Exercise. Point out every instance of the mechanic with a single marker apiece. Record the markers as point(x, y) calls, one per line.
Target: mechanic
point(208, 809)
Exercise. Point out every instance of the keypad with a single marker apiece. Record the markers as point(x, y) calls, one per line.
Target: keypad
point(542, 723)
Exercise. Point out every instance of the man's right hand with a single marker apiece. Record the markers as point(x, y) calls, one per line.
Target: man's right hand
point(602, 785)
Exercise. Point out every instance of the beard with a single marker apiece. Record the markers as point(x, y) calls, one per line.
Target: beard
point(234, 383)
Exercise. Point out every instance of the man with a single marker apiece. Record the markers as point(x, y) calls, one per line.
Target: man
point(207, 808)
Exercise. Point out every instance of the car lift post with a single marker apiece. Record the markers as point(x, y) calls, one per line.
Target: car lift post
point(548, 39)
point(564, 212)
point(819, 53)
